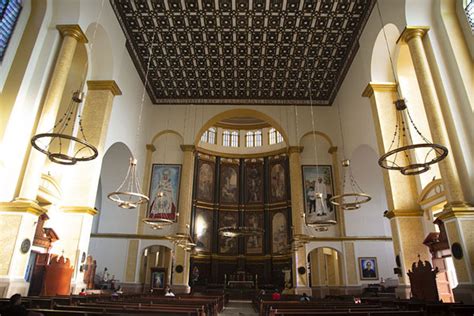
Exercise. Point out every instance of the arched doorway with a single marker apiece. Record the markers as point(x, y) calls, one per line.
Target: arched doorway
point(155, 267)
point(325, 271)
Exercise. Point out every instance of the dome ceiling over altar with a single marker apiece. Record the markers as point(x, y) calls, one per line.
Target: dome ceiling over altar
point(243, 51)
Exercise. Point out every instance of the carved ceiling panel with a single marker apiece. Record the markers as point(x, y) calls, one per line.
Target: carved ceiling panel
point(242, 51)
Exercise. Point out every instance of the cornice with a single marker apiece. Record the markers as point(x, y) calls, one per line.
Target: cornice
point(456, 210)
point(72, 30)
point(295, 149)
point(110, 85)
point(22, 206)
point(332, 150)
point(378, 86)
point(190, 148)
point(403, 213)
point(79, 210)
point(150, 147)
point(411, 32)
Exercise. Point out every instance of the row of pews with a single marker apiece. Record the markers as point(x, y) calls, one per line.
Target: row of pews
point(291, 306)
point(131, 304)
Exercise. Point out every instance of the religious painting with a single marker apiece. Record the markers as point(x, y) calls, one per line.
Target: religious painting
point(229, 182)
point(254, 244)
point(254, 183)
point(203, 229)
point(368, 268)
point(228, 245)
point(158, 278)
point(277, 182)
point(164, 190)
point(205, 187)
point(318, 189)
point(279, 232)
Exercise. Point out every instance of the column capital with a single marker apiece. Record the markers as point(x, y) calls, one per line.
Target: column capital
point(411, 32)
point(456, 210)
point(403, 213)
point(295, 149)
point(332, 150)
point(185, 148)
point(72, 30)
point(150, 147)
point(378, 86)
point(79, 210)
point(22, 206)
point(110, 85)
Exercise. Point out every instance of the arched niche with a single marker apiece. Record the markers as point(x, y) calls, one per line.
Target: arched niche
point(325, 269)
point(113, 219)
point(380, 66)
point(240, 113)
point(100, 48)
point(152, 257)
point(368, 174)
point(316, 143)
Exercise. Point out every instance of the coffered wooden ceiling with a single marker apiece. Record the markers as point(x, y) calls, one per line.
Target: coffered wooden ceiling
point(242, 51)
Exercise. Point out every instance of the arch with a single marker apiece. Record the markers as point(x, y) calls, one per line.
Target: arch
point(156, 255)
point(326, 268)
point(101, 57)
point(433, 191)
point(167, 131)
point(240, 113)
point(318, 133)
point(380, 65)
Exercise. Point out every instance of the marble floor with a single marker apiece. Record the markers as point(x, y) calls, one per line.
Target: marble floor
point(239, 308)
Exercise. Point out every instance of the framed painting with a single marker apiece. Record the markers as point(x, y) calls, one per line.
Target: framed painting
point(203, 230)
point(228, 245)
point(318, 187)
point(229, 191)
point(254, 244)
point(368, 268)
point(205, 180)
point(277, 181)
point(158, 278)
point(164, 190)
point(254, 183)
point(279, 232)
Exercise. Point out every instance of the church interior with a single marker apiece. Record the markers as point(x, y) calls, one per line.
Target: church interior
point(256, 151)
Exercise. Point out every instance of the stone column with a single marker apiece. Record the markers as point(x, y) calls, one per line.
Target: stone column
point(72, 35)
point(182, 258)
point(337, 184)
point(150, 149)
point(406, 216)
point(458, 213)
point(297, 209)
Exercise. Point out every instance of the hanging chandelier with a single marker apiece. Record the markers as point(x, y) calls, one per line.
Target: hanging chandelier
point(62, 148)
point(183, 240)
point(128, 194)
point(407, 157)
point(356, 196)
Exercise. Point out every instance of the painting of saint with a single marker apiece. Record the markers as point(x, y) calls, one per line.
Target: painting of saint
point(203, 230)
point(205, 189)
point(254, 183)
point(279, 233)
point(254, 244)
point(368, 268)
point(318, 189)
point(229, 191)
point(228, 245)
point(277, 182)
point(164, 189)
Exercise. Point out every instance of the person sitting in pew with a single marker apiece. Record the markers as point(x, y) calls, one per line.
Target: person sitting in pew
point(168, 291)
point(82, 292)
point(16, 309)
point(305, 298)
point(276, 296)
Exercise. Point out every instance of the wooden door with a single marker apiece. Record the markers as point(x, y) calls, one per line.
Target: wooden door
point(36, 283)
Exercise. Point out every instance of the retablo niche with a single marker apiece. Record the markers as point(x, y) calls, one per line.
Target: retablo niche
point(236, 231)
point(62, 148)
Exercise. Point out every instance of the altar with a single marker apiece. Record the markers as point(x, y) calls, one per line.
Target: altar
point(240, 284)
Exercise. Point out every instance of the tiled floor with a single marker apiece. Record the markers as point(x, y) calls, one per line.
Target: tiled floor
point(239, 308)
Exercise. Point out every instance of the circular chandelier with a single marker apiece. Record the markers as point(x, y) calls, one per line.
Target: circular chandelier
point(321, 225)
point(128, 195)
point(62, 148)
point(407, 157)
point(245, 231)
point(352, 200)
point(404, 156)
point(183, 240)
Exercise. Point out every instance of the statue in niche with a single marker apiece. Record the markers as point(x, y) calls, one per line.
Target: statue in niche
point(277, 182)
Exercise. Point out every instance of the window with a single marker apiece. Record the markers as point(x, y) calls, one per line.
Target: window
point(209, 136)
point(253, 139)
point(274, 136)
point(469, 9)
point(230, 138)
point(9, 13)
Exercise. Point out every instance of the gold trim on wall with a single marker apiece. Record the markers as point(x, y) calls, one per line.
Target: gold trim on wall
point(244, 156)
point(403, 213)
point(79, 210)
point(110, 85)
point(350, 238)
point(72, 30)
point(378, 86)
point(22, 206)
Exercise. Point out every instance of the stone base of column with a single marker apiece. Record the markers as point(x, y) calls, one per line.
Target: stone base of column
point(323, 291)
point(8, 287)
point(403, 291)
point(303, 289)
point(181, 288)
point(464, 293)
